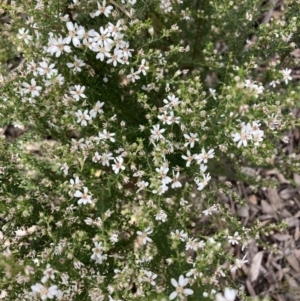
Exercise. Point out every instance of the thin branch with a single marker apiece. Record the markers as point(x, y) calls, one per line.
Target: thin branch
point(121, 8)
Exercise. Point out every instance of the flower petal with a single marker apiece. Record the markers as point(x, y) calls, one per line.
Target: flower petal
point(174, 282)
point(188, 291)
point(173, 296)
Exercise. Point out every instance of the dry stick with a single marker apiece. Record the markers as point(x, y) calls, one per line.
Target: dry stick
point(268, 15)
point(120, 8)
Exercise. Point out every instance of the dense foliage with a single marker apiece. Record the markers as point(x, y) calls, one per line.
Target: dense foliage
point(139, 108)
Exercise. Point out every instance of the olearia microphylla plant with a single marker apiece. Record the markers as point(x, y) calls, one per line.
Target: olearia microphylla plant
point(144, 104)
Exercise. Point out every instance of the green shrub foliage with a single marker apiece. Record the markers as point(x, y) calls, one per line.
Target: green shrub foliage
point(130, 114)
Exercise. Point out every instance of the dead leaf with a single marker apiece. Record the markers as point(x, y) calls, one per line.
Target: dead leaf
point(281, 237)
point(292, 222)
point(255, 265)
point(250, 288)
point(252, 199)
point(270, 277)
point(296, 178)
point(292, 282)
point(243, 211)
point(297, 233)
point(297, 253)
point(294, 263)
point(267, 208)
point(277, 174)
point(274, 198)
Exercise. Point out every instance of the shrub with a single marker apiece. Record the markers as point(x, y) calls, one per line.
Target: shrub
point(146, 107)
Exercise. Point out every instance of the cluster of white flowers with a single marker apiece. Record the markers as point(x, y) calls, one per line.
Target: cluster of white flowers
point(46, 291)
point(249, 132)
point(180, 291)
point(253, 87)
point(98, 254)
point(120, 165)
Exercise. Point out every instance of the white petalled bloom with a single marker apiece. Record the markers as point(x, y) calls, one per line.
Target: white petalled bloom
point(141, 185)
point(179, 235)
point(77, 92)
point(103, 51)
point(103, 9)
point(105, 135)
point(76, 65)
point(144, 235)
point(49, 273)
point(65, 168)
point(103, 39)
point(157, 132)
point(96, 109)
point(180, 290)
point(21, 232)
point(206, 178)
point(32, 88)
point(115, 29)
point(23, 35)
point(175, 180)
point(243, 137)
point(112, 299)
point(210, 210)
point(3, 294)
point(286, 75)
point(44, 292)
point(173, 119)
point(189, 158)
point(172, 101)
point(239, 263)
point(143, 67)
point(105, 158)
point(253, 87)
point(192, 244)
point(163, 174)
point(193, 272)
point(257, 134)
point(201, 244)
point(166, 6)
point(204, 156)
point(46, 69)
point(164, 118)
point(234, 240)
point(114, 238)
point(116, 58)
point(161, 189)
point(119, 43)
point(56, 79)
point(82, 117)
point(126, 50)
point(192, 138)
point(75, 34)
point(161, 216)
point(84, 198)
point(58, 46)
point(89, 221)
point(118, 164)
point(32, 67)
point(96, 158)
point(150, 277)
point(133, 75)
point(202, 168)
point(229, 295)
point(97, 255)
point(212, 92)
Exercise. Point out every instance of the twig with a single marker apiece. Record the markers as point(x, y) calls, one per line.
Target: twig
point(120, 8)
